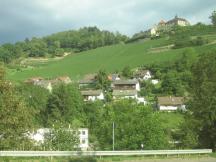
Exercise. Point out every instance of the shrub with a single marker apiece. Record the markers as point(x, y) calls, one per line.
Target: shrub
point(83, 159)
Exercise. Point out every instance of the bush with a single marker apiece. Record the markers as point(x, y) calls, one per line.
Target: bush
point(83, 159)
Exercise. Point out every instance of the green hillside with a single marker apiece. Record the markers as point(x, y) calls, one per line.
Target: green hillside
point(110, 58)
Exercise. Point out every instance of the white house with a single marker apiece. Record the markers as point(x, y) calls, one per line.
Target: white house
point(154, 81)
point(143, 74)
point(170, 103)
point(39, 136)
point(141, 100)
point(126, 85)
point(92, 95)
point(83, 137)
point(44, 84)
point(147, 75)
point(153, 31)
point(128, 94)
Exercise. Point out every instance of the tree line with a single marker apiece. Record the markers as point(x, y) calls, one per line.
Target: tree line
point(56, 44)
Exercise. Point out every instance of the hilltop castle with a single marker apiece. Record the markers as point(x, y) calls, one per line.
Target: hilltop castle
point(164, 26)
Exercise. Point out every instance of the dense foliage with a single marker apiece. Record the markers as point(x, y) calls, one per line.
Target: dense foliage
point(203, 100)
point(85, 38)
point(133, 125)
point(57, 44)
point(191, 35)
point(61, 139)
point(175, 76)
point(64, 106)
point(15, 116)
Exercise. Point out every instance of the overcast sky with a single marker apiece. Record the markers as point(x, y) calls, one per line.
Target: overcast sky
point(27, 18)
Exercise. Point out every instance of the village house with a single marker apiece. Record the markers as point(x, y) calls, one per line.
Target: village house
point(114, 77)
point(154, 31)
point(170, 103)
point(48, 84)
point(88, 82)
point(154, 81)
point(92, 95)
point(143, 74)
point(63, 79)
point(126, 85)
point(124, 94)
point(39, 136)
point(128, 94)
point(41, 82)
point(44, 84)
point(33, 80)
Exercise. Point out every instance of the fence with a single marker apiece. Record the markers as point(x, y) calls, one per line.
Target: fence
point(101, 153)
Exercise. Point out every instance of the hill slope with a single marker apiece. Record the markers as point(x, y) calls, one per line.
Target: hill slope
point(110, 58)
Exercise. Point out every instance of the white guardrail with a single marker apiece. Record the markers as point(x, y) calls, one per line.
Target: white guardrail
point(102, 153)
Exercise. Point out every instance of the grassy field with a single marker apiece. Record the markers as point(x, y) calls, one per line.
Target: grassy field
point(111, 58)
point(171, 120)
point(161, 158)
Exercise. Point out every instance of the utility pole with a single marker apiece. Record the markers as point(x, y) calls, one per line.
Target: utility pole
point(113, 136)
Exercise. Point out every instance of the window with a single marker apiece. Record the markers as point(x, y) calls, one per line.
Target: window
point(83, 141)
point(83, 132)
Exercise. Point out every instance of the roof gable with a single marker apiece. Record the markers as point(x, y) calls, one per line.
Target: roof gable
point(170, 101)
point(124, 92)
point(125, 82)
point(91, 92)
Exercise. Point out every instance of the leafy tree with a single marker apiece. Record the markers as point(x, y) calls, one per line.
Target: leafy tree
point(134, 125)
point(65, 105)
point(213, 18)
point(35, 97)
point(188, 133)
point(5, 55)
point(16, 119)
point(93, 117)
point(203, 99)
point(102, 80)
point(127, 72)
point(146, 88)
point(62, 139)
point(185, 62)
point(171, 84)
point(37, 48)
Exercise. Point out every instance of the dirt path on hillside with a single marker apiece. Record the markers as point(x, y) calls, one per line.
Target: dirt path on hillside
point(161, 49)
point(42, 59)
